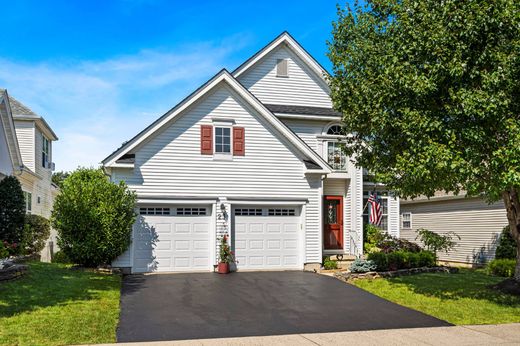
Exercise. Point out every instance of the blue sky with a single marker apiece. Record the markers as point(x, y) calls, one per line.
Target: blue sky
point(100, 71)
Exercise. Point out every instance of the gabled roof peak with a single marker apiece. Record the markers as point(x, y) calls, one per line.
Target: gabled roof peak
point(294, 45)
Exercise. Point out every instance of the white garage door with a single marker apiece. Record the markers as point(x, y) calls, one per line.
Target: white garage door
point(267, 238)
point(172, 239)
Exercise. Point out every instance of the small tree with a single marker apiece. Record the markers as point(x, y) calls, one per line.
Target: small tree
point(435, 242)
point(12, 210)
point(93, 217)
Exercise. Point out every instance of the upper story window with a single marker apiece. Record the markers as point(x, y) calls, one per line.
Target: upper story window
point(45, 152)
point(223, 140)
point(336, 158)
point(282, 68)
point(334, 130)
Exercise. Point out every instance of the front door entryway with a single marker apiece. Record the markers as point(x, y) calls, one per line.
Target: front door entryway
point(333, 222)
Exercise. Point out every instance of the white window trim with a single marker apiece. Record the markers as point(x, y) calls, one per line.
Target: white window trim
point(223, 156)
point(410, 220)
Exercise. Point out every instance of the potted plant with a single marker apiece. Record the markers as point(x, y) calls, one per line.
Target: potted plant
point(226, 256)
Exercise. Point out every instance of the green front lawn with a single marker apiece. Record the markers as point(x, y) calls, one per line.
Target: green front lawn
point(461, 298)
point(54, 305)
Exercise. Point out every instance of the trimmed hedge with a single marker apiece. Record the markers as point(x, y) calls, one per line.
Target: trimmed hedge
point(502, 267)
point(506, 248)
point(402, 260)
point(37, 230)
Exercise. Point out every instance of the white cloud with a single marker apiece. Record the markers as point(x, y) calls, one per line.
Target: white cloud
point(93, 106)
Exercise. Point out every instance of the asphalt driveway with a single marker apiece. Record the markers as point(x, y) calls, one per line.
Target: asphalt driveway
point(208, 305)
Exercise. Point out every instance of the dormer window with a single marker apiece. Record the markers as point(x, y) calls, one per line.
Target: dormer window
point(45, 152)
point(282, 68)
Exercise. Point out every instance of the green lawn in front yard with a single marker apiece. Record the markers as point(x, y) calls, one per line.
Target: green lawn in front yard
point(54, 305)
point(461, 298)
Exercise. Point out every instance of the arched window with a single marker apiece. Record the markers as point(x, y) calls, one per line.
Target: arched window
point(334, 130)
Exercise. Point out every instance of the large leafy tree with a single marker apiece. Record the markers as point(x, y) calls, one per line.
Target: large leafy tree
point(93, 217)
point(430, 92)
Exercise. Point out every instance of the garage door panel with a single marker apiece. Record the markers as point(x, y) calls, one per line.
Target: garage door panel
point(170, 242)
point(267, 241)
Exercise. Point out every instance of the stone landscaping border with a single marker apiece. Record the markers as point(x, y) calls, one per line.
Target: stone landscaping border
point(13, 272)
point(347, 276)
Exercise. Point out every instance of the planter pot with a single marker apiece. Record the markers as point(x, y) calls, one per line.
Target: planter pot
point(223, 268)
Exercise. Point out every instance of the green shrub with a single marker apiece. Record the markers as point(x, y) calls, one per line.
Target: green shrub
point(426, 259)
point(411, 259)
point(329, 264)
point(402, 260)
point(93, 217)
point(12, 212)
point(372, 236)
point(506, 248)
point(60, 257)
point(362, 266)
point(4, 253)
point(396, 260)
point(502, 267)
point(37, 230)
point(380, 260)
point(435, 242)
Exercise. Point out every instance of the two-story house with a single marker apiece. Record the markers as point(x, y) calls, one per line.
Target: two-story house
point(28, 141)
point(255, 154)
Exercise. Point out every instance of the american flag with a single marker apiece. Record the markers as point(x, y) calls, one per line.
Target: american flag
point(376, 212)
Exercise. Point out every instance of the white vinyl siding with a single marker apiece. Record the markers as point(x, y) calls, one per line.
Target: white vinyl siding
point(303, 87)
point(170, 163)
point(308, 130)
point(25, 133)
point(477, 223)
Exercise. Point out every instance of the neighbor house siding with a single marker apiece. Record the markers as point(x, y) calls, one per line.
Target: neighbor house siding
point(477, 223)
point(170, 163)
point(25, 132)
point(301, 87)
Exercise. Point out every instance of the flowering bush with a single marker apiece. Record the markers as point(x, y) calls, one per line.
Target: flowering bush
point(225, 253)
point(4, 253)
point(12, 248)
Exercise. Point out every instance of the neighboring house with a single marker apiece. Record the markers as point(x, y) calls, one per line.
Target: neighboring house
point(476, 222)
point(253, 153)
point(10, 157)
point(29, 141)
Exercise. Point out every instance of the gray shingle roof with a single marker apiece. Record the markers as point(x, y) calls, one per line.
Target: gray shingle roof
point(18, 108)
point(303, 110)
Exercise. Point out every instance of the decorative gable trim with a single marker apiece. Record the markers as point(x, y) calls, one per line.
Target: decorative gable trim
point(222, 77)
point(289, 41)
point(6, 118)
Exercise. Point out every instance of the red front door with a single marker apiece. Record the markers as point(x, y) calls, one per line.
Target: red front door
point(333, 222)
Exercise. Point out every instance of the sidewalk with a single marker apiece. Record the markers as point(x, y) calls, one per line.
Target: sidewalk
point(505, 334)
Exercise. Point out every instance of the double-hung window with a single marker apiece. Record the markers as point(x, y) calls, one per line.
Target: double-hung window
point(223, 140)
point(406, 220)
point(45, 152)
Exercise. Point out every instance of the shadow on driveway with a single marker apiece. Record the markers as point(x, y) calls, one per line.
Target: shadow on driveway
point(209, 305)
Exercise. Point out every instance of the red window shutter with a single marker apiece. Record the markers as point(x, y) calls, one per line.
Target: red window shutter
point(206, 139)
point(239, 148)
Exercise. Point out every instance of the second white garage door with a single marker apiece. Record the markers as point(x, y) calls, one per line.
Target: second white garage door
point(172, 239)
point(267, 238)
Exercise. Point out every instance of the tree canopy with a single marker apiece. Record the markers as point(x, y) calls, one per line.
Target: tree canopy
point(430, 93)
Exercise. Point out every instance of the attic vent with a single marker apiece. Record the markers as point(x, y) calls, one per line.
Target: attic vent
point(282, 68)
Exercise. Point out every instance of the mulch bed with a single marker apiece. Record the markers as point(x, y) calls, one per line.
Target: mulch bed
point(509, 286)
